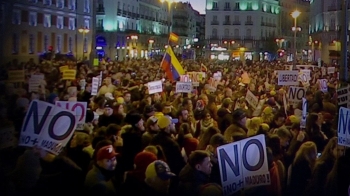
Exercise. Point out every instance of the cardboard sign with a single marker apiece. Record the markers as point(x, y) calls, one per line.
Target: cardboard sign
point(343, 127)
point(296, 94)
point(303, 114)
point(330, 70)
point(343, 97)
point(243, 164)
point(79, 108)
point(94, 86)
point(69, 74)
point(323, 85)
point(183, 87)
point(15, 76)
point(47, 126)
point(34, 82)
point(7, 137)
point(63, 68)
point(155, 87)
point(252, 99)
point(305, 75)
point(196, 77)
point(185, 78)
point(287, 77)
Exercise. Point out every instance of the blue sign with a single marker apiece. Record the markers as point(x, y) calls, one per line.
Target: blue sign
point(101, 41)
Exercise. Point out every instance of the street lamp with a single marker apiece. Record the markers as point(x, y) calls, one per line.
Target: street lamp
point(84, 30)
point(295, 14)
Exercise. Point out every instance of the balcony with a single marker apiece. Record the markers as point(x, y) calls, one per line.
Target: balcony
point(248, 37)
point(228, 38)
point(100, 11)
point(99, 28)
point(119, 12)
point(227, 9)
point(237, 37)
point(215, 9)
point(214, 37)
point(236, 23)
point(124, 13)
point(249, 23)
point(183, 17)
point(215, 22)
point(227, 22)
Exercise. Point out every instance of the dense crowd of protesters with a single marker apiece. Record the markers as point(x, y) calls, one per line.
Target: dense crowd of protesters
point(136, 143)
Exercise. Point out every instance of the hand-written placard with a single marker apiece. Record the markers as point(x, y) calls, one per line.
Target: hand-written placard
point(155, 87)
point(287, 77)
point(183, 87)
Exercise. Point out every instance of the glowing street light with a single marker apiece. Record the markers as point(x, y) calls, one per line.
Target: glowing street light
point(83, 30)
point(295, 14)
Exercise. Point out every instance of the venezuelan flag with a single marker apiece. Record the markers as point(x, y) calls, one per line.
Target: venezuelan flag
point(173, 37)
point(171, 65)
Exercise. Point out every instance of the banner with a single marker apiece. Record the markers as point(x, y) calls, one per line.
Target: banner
point(15, 76)
point(69, 74)
point(288, 78)
point(252, 99)
point(295, 95)
point(47, 126)
point(243, 164)
point(343, 97)
point(343, 127)
point(79, 108)
point(94, 86)
point(323, 85)
point(196, 77)
point(155, 87)
point(183, 87)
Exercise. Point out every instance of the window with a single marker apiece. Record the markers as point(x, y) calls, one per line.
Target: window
point(70, 44)
point(16, 17)
point(46, 42)
point(249, 32)
point(59, 24)
point(87, 6)
point(85, 44)
point(226, 32)
point(60, 4)
point(118, 6)
point(58, 44)
point(214, 32)
point(227, 5)
point(71, 24)
point(31, 44)
point(236, 32)
point(47, 20)
point(227, 18)
point(15, 43)
point(123, 6)
point(237, 6)
point(249, 18)
point(87, 23)
point(33, 19)
point(215, 18)
point(249, 6)
point(72, 4)
point(215, 5)
point(47, 2)
point(236, 18)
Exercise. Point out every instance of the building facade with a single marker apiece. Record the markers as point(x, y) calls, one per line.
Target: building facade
point(29, 28)
point(325, 25)
point(131, 28)
point(285, 40)
point(243, 28)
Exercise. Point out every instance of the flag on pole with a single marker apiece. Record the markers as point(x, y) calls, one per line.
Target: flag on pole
point(171, 66)
point(173, 37)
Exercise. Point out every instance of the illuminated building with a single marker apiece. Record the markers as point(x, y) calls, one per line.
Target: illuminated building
point(30, 27)
point(325, 25)
point(250, 24)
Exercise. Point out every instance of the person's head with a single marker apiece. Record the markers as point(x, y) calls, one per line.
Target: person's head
point(167, 124)
point(108, 108)
point(200, 161)
point(106, 158)
point(113, 131)
point(183, 114)
point(135, 120)
point(279, 119)
point(227, 103)
point(206, 115)
point(143, 159)
point(228, 92)
point(216, 141)
point(187, 103)
point(309, 95)
point(80, 139)
point(127, 97)
point(239, 116)
point(332, 150)
point(151, 124)
point(120, 108)
point(204, 98)
point(307, 151)
point(158, 176)
point(285, 136)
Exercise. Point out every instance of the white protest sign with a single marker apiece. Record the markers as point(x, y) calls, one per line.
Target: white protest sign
point(344, 127)
point(287, 77)
point(7, 137)
point(343, 97)
point(252, 99)
point(243, 164)
point(94, 86)
point(295, 95)
point(79, 108)
point(34, 82)
point(303, 114)
point(183, 87)
point(100, 79)
point(47, 126)
point(155, 87)
point(185, 78)
point(305, 75)
point(330, 70)
point(324, 71)
point(15, 75)
point(323, 85)
point(196, 77)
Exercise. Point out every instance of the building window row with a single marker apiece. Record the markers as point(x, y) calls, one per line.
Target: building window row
point(244, 6)
point(70, 4)
point(61, 45)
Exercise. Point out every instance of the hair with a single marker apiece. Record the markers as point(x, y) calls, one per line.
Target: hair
point(112, 129)
point(197, 157)
point(157, 150)
point(82, 139)
point(204, 141)
point(100, 144)
point(304, 152)
point(185, 128)
point(283, 132)
point(327, 151)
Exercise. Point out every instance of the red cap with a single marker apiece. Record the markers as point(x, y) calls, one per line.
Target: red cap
point(106, 152)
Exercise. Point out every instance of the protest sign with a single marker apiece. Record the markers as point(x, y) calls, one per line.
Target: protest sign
point(69, 74)
point(303, 114)
point(94, 86)
point(252, 99)
point(330, 70)
point(63, 68)
point(15, 76)
point(155, 87)
point(323, 85)
point(287, 77)
point(7, 137)
point(344, 127)
point(295, 95)
point(79, 108)
point(243, 164)
point(185, 78)
point(183, 87)
point(47, 126)
point(305, 75)
point(34, 82)
point(343, 97)
point(196, 77)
